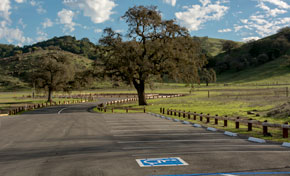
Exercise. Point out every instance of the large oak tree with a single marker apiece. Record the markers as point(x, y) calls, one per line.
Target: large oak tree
point(152, 48)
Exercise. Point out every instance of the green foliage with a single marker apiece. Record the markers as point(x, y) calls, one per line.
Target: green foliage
point(16, 71)
point(207, 76)
point(155, 48)
point(254, 53)
point(53, 72)
point(81, 47)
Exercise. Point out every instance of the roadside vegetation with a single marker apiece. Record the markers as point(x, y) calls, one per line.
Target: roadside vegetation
point(156, 56)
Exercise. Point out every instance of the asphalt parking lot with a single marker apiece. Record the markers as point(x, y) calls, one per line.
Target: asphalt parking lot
point(76, 142)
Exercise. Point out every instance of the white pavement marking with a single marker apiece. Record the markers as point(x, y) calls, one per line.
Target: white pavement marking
point(161, 141)
point(181, 134)
point(4, 146)
point(140, 126)
point(286, 144)
point(148, 130)
point(256, 140)
point(61, 110)
point(163, 147)
point(208, 152)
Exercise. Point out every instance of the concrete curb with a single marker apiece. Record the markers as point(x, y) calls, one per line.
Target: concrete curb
point(196, 125)
point(230, 134)
point(185, 122)
point(211, 129)
point(286, 144)
point(252, 139)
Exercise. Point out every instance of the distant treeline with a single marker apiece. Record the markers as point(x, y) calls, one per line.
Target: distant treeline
point(254, 53)
point(67, 43)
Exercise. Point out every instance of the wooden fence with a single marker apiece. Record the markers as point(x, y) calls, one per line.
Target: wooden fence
point(89, 98)
point(237, 120)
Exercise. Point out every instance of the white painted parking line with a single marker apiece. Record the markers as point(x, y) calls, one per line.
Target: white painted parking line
point(209, 152)
point(128, 130)
point(190, 140)
point(191, 147)
point(61, 110)
point(139, 126)
point(180, 134)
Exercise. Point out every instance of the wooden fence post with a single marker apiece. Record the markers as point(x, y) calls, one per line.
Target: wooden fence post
point(207, 119)
point(194, 116)
point(265, 128)
point(160, 110)
point(188, 115)
point(200, 117)
point(250, 125)
point(216, 120)
point(237, 123)
point(225, 121)
point(183, 114)
point(285, 131)
point(179, 113)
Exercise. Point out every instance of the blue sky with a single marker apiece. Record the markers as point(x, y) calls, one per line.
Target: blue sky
point(24, 22)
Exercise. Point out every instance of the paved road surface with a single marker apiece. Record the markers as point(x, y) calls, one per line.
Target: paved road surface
point(70, 141)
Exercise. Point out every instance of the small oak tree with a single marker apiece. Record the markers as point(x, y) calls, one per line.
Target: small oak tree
point(153, 48)
point(54, 72)
point(207, 76)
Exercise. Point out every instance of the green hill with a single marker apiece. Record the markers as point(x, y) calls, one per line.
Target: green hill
point(266, 60)
point(253, 54)
point(212, 46)
point(81, 47)
point(15, 70)
point(274, 72)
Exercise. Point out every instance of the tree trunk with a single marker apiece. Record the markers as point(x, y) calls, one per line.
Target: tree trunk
point(49, 98)
point(140, 87)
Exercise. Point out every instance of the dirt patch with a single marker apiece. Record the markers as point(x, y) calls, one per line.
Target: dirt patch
point(280, 111)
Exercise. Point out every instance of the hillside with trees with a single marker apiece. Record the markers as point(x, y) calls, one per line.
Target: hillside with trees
point(254, 53)
point(16, 72)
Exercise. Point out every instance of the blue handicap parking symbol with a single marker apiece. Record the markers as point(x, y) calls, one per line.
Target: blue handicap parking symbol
point(149, 162)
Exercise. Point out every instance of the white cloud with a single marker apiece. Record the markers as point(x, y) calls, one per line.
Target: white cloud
point(33, 3)
point(20, 21)
point(266, 21)
point(279, 3)
point(171, 2)
point(4, 9)
point(196, 15)
point(225, 30)
point(47, 23)
point(41, 36)
point(38, 5)
point(13, 35)
point(19, 1)
point(65, 18)
point(269, 11)
point(98, 30)
point(119, 31)
point(250, 39)
point(98, 10)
